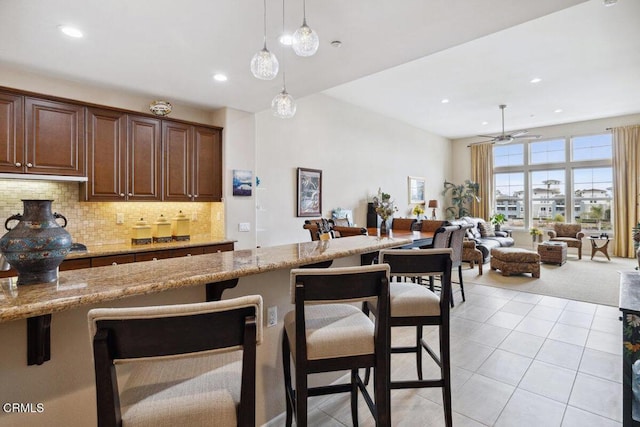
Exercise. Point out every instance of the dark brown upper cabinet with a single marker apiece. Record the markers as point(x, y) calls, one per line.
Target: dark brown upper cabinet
point(54, 138)
point(123, 156)
point(11, 133)
point(192, 157)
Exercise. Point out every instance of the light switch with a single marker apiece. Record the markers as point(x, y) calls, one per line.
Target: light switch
point(119, 218)
point(244, 226)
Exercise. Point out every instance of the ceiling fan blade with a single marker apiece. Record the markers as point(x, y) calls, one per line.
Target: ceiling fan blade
point(527, 136)
point(488, 136)
point(517, 134)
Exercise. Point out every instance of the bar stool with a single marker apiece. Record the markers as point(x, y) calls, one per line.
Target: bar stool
point(185, 365)
point(327, 335)
point(415, 305)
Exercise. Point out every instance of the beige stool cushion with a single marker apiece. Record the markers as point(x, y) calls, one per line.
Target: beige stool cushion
point(182, 392)
point(333, 330)
point(411, 299)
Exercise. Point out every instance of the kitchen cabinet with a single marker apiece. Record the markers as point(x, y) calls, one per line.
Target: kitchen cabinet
point(11, 133)
point(112, 260)
point(192, 157)
point(54, 138)
point(123, 152)
point(39, 136)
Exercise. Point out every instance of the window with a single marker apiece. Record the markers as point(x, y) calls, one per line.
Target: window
point(567, 179)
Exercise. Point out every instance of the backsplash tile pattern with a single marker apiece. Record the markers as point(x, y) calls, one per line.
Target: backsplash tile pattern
point(95, 222)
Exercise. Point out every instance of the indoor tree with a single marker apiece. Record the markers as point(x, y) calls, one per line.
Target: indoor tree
point(461, 197)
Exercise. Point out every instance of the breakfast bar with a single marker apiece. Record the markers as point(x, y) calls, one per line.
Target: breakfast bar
point(69, 373)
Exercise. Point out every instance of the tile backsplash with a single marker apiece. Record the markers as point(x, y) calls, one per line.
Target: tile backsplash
point(95, 222)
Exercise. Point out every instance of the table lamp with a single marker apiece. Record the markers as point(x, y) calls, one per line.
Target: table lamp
point(434, 205)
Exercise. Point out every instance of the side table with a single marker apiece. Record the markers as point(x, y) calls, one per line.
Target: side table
point(595, 247)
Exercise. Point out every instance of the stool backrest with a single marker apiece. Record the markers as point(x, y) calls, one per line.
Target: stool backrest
point(442, 236)
point(457, 242)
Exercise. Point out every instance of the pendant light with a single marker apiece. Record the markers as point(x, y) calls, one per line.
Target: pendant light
point(283, 105)
point(264, 64)
point(305, 40)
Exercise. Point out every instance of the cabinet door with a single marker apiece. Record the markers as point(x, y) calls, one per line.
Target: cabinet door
point(54, 138)
point(11, 133)
point(106, 155)
point(207, 161)
point(112, 260)
point(176, 143)
point(143, 158)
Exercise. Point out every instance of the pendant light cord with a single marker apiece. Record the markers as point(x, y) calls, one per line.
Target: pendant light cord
point(282, 47)
point(264, 15)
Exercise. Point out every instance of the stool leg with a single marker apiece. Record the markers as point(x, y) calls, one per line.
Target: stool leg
point(461, 283)
point(302, 394)
point(419, 351)
point(354, 397)
point(286, 368)
point(445, 362)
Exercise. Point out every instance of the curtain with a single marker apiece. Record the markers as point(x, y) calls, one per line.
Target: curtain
point(482, 173)
point(626, 164)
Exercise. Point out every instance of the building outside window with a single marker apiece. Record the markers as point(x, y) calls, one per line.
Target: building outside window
point(538, 183)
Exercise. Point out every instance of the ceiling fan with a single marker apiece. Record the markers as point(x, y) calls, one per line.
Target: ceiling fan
point(505, 138)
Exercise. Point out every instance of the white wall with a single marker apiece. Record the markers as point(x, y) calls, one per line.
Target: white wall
point(357, 151)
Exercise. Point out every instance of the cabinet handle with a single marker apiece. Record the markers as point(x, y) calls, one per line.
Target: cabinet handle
point(155, 259)
point(18, 164)
point(188, 254)
point(29, 165)
point(121, 194)
point(130, 194)
point(196, 196)
point(114, 263)
point(190, 196)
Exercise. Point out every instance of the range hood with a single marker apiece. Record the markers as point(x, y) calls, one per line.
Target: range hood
point(28, 176)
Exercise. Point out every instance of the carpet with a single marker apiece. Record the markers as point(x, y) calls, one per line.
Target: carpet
point(595, 281)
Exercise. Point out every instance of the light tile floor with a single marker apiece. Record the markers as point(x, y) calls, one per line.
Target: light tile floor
point(518, 359)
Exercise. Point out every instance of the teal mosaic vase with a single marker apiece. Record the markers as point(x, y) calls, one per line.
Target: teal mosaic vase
point(37, 245)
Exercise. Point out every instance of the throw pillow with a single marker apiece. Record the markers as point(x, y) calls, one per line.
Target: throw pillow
point(486, 230)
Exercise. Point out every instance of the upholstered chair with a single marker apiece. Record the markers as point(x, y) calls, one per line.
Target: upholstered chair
point(187, 364)
point(571, 234)
point(405, 224)
point(415, 305)
point(327, 333)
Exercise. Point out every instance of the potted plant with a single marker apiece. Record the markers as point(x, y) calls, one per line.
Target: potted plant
point(535, 233)
point(385, 208)
point(461, 197)
point(418, 210)
point(497, 220)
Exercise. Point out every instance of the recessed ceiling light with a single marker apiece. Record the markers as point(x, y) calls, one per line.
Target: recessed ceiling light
point(219, 77)
point(559, 110)
point(286, 40)
point(535, 80)
point(70, 31)
point(445, 101)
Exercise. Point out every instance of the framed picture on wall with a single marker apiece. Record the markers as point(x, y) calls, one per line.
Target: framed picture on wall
point(416, 189)
point(309, 192)
point(242, 181)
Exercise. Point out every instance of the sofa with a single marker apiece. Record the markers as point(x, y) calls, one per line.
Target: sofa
point(484, 236)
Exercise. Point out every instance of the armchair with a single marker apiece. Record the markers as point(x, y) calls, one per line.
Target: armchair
point(571, 234)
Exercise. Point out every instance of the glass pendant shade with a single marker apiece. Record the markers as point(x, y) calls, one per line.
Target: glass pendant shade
point(305, 41)
point(283, 105)
point(264, 65)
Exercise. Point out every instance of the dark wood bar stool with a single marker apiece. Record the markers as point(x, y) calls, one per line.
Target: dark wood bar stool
point(324, 335)
point(186, 367)
point(415, 305)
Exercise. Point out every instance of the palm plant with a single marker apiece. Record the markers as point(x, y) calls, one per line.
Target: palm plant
point(461, 197)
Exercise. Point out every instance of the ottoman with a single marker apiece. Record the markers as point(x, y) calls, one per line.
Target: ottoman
point(553, 252)
point(515, 260)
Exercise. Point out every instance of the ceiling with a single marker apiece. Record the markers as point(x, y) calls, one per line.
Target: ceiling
point(397, 58)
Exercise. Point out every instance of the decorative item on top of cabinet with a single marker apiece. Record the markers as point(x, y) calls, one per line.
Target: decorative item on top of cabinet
point(180, 227)
point(141, 233)
point(192, 157)
point(123, 156)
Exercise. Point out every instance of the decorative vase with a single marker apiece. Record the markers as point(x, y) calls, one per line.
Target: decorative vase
point(38, 244)
point(383, 227)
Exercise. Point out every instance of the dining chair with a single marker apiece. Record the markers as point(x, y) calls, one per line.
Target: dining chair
point(412, 304)
point(326, 333)
point(186, 364)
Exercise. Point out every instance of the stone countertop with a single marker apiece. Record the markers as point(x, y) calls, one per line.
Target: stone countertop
point(127, 248)
point(76, 288)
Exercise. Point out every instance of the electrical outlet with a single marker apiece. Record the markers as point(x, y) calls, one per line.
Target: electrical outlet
point(119, 218)
point(244, 226)
point(272, 316)
point(194, 216)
